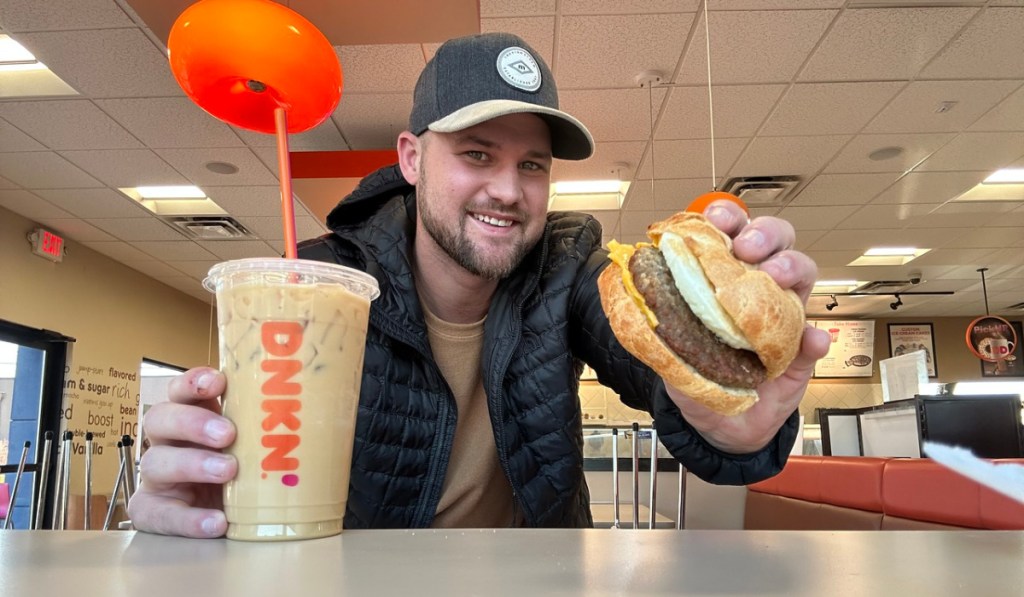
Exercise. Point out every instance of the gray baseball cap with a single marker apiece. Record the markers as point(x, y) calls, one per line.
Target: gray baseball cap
point(474, 79)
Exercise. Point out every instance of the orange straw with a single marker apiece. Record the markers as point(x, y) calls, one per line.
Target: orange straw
point(284, 172)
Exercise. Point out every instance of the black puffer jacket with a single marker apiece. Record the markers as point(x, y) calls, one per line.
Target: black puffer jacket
point(544, 321)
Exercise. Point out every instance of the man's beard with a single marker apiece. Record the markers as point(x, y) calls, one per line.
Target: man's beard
point(452, 238)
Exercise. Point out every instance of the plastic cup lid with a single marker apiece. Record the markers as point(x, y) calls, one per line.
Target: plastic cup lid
point(356, 281)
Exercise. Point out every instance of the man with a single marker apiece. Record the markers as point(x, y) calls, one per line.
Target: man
point(469, 414)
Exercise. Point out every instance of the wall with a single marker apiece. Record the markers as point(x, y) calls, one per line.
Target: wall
point(117, 315)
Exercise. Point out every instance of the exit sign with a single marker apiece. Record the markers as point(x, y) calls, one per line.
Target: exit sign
point(47, 244)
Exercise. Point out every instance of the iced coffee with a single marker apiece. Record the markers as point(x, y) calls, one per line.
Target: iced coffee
point(291, 335)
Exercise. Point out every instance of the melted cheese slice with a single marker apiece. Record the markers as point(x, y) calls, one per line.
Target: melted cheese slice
point(621, 255)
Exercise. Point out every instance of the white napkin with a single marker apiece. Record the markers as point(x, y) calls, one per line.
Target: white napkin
point(1007, 479)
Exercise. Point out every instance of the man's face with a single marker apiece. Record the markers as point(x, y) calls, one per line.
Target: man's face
point(482, 193)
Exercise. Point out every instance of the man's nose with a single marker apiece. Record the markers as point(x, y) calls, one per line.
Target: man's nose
point(505, 184)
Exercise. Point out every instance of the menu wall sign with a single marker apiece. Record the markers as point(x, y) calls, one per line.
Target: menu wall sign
point(905, 338)
point(852, 351)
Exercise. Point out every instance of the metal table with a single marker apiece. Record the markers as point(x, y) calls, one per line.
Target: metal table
point(519, 562)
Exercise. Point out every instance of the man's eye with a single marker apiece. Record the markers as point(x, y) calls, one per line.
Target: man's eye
point(532, 166)
point(476, 155)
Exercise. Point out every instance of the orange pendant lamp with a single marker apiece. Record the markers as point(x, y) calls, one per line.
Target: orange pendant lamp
point(261, 66)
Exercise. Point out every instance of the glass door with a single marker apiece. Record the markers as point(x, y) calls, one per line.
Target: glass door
point(32, 367)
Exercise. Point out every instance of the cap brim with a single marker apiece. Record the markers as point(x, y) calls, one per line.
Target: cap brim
point(570, 140)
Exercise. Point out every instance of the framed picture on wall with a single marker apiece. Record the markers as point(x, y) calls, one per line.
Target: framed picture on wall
point(905, 338)
point(1012, 365)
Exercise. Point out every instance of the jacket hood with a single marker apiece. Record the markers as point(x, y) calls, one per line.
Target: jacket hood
point(374, 190)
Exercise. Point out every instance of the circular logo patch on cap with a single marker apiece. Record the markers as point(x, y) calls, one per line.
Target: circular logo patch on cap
point(518, 68)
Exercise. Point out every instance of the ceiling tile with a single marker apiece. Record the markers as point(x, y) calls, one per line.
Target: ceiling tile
point(168, 250)
point(976, 151)
point(76, 229)
point(990, 47)
point(247, 200)
point(842, 189)
point(68, 124)
point(126, 167)
point(11, 139)
point(362, 67)
point(816, 218)
point(118, 250)
point(772, 4)
point(989, 237)
point(614, 114)
point(668, 195)
point(916, 147)
point(30, 206)
point(948, 257)
point(806, 238)
point(154, 269)
point(195, 269)
point(323, 137)
point(44, 170)
point(960, 215)
point(753, 47)
point(58, 15)
point(240, 249)
point(801, 156)
point(872, 44)
point(1007, 116)
point(373, 121)
point(739, 111)
point(880, 234)
point(828, 108)
point(537, 32)
point(602, 164)
point(169, 122)
point(691, 158)
point(885, 216)
point(916, 108)
point(93, 203)
point(191, 162)
point(601, 51)
point(271, 228)
point(6, 184)
point(593, 7)
point(137, 229)
point(636, 222)
point(495, 8)
point(930, 187)
point(105, 62)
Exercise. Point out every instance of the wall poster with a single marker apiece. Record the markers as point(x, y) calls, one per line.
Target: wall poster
point(905, 338)
point(851, 353)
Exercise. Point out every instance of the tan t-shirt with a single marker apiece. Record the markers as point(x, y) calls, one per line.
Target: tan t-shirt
point(475, 493)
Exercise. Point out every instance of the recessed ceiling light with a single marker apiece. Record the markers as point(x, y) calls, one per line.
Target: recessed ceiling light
point(12, 52)
point(890, 251)
point(171, 192)
point(1006, 176)
point(584, 195)
point(222, 167)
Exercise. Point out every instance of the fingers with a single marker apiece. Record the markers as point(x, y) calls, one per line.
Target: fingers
point(164, 467)
point(196, 385)
point(813, 346)
point(727, 217)
point(169, 422)
point(166, 515)
point(794, 270)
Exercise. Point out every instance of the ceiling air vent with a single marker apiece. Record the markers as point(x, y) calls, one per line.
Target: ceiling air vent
point(762, 191)
point(210, 227)
point(883, 286)
point(1017, 307)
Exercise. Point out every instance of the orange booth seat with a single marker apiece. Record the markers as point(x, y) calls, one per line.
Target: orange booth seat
point(851, 492)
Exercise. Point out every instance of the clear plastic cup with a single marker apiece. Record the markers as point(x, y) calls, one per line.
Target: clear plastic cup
point(292, 334)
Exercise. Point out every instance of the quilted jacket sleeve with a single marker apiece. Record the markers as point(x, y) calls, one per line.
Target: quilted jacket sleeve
point(595, 343)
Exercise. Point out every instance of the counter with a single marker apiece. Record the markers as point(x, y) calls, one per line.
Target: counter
point(519, 562)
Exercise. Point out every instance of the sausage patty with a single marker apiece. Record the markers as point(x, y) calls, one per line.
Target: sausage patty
point(684, 332)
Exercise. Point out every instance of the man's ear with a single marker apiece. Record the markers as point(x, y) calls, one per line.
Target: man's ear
point(409, 148)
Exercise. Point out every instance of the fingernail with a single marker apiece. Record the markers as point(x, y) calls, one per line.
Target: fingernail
point(204, 381)
point(718, 212)
point(211, 525)
point(217, 429)
point(751, 236)
point(216, 465)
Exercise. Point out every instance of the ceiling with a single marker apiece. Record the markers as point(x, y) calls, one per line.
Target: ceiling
point(805, 88)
